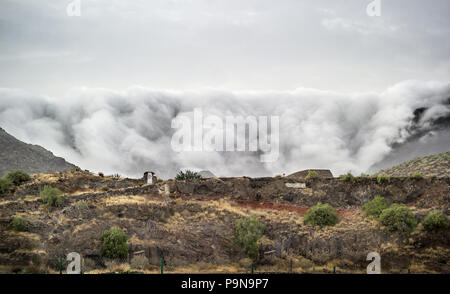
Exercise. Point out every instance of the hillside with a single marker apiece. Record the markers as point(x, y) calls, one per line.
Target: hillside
point(15, 154)
point(433, 165)
point(190, 224)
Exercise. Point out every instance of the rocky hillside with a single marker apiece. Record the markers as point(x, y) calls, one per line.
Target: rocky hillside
point(433, 165)
point(190, 224)
point(15, 154)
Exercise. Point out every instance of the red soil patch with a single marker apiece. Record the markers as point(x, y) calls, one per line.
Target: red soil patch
point(300, 210)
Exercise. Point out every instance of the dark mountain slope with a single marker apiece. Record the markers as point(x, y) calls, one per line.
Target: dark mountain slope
point(432, 165)
point(15, 154)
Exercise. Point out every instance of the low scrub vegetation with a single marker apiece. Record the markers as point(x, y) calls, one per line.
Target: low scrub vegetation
point(398, 218)
point(375, 207)
point(6, 186)
point(52, 197)
point(436, 220)
point(417, 176)
point(383, 179)
point(348, 177)
point(312, 175)
point(187, 175)
point(247, 232)
point(81, 205)
point(114, 243)
point(321, 215)
point(19, 223)
point(17, 177)
point(139, 262)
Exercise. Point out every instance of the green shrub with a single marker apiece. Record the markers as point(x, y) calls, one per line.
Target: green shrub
point(102, 175)
point(348, 177)
point(321, 215)
point(17, 177)
point(187, 175)
point(398, 218)
point(375, 206)
point(383, 179)
point(362, 177)
point(19, 223)
point(436, 220)
point(105, 188)
point(247, 232)
point(52, 197)
point(5, 186)
point(417, 176)
point(312, 174)
point(114, 243)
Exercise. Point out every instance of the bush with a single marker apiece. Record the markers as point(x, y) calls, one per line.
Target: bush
point(139, 262)
point(321, 215)
point(312, 174)
point(114, 243)
point(81, 205)
point(348, 177)
point(398, 218)
point(375, 206)
point(436, 220)
point(5, 186)
point(19, 223)
point(17, 177)
point(247, 232)
point(102, 175)
point(187, 175)
point(417, 176)
point(52, 197)
point(381, 179)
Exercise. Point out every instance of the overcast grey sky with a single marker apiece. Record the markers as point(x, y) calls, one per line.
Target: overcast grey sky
point(228, 44)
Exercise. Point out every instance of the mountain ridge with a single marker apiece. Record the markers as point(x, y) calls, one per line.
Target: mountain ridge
point(432, 165)
point(15, 154)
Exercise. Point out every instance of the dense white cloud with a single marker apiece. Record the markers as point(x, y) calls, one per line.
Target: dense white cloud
point(130, 131)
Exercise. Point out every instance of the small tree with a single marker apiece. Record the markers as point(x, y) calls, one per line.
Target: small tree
point(114, 243)
point(187, 175)
point(398, 218)
point(247, 232)
point(5, 186)
point(375, 206)
point(19, 223)
point(52, 197)
point(436, 220)
point(321, 215)
point(17, 177)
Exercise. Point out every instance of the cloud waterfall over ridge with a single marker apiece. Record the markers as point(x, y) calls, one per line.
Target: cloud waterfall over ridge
point(129, 131)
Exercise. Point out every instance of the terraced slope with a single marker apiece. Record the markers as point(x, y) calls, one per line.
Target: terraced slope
point(433, 165)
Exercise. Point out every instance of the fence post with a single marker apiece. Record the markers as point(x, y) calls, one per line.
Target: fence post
point(60, 265)
point(334, 269)
point(252, 268)
point(290, 266)
point(409, 271)
point(162, 265)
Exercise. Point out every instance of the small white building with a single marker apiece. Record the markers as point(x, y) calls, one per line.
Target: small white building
point(150, 178)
